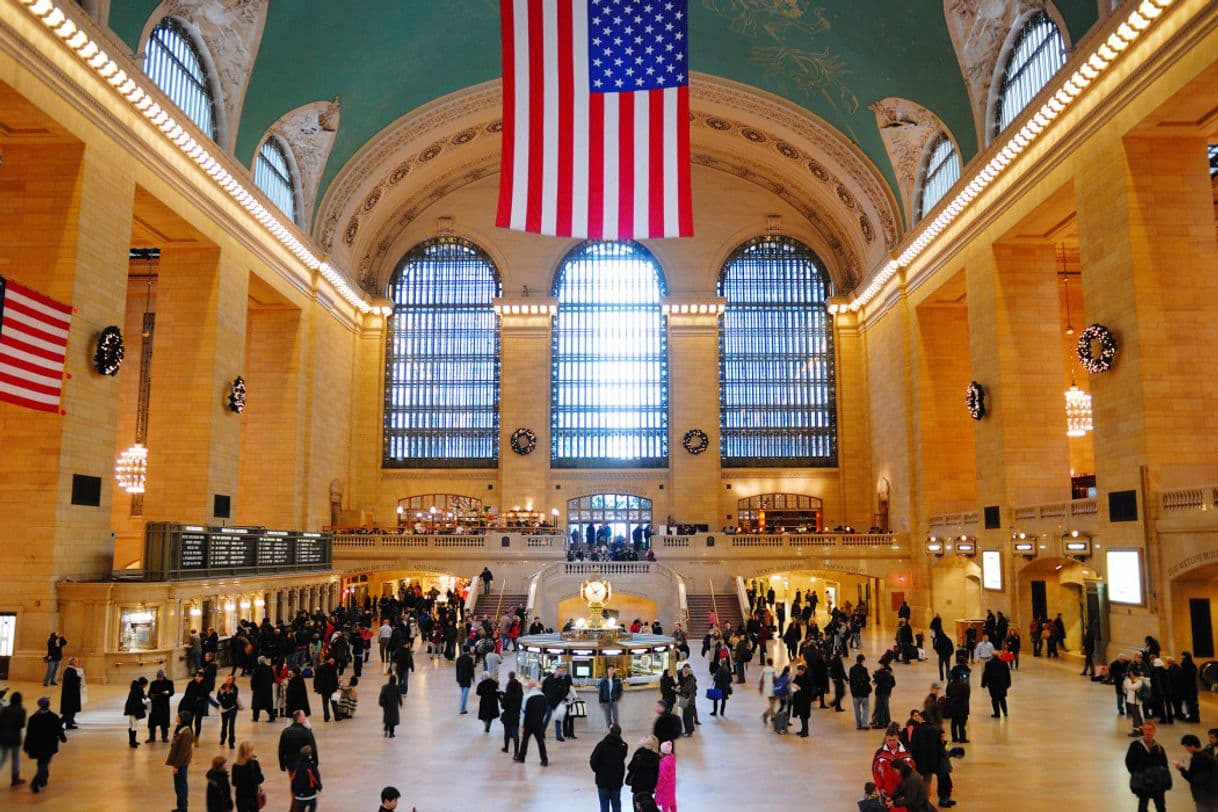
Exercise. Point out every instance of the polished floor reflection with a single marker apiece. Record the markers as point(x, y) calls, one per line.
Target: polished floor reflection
point(1062, 743)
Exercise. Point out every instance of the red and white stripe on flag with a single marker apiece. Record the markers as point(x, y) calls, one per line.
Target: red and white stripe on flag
point(33, 347)
point(578, 161)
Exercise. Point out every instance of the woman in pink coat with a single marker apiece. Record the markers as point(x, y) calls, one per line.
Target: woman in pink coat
point(666, 786)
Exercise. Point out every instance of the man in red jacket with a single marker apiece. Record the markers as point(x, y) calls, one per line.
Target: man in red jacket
point(884, 765)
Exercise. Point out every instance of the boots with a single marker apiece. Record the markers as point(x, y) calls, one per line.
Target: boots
point(131, 738)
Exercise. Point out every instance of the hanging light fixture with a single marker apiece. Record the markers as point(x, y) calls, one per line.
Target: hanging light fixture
point(1078, 402)
point(131, 469)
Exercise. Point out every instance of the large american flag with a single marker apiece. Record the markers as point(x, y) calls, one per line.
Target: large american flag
point(595, 118)
point(33, 345)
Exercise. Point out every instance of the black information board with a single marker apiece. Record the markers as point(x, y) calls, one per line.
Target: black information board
point(173, 550)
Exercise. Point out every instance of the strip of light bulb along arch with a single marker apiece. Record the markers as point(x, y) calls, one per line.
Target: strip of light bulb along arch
point(89, 52)
point(1134, 25)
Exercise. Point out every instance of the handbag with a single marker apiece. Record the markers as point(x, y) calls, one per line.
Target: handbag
point(261, 797)
point(560, 712)
point(579, 709)
point(714, 694)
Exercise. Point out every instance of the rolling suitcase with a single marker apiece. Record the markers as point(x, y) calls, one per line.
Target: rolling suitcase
point(781, 720)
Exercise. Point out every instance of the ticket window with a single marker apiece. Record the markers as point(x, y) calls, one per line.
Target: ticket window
point(137, 629)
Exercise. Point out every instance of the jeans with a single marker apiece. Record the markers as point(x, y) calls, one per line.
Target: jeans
point(862, 710)
point(14, 751)
point(305, 806)
point(945, 665)
point(610, 711)
point(52, 671)
point(464, 697)
point(611, 799)
point(228, 727)
point(181, 787)
point(882, 716)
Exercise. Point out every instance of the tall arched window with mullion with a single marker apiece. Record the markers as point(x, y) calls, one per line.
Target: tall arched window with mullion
point(273, 175)
point(442, 359)
point(1039, 52)
point(609, 404)
point(940, 171)
point(777, 379)
point(174, 65)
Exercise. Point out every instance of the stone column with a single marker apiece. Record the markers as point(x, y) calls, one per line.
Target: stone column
point(524, 361)
point(693, 371)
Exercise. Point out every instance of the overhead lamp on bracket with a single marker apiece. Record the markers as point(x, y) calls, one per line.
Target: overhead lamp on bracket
point(1076, 544)
point(1024, 544)
point(935, 546)
point(966, 545)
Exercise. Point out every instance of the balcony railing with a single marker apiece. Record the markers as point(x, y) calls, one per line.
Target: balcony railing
point(1183, 500)
point(941, 521)
point(1057, 510)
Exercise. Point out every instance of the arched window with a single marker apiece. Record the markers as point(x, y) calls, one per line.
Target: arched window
point(609, 405)
point(173, 64)
point(442, 359)
point(1039, 52)
point(777, 386)
point(940, 171)
point(273, 175)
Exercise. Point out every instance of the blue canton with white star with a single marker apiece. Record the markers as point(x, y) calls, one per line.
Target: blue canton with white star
point(637, 45)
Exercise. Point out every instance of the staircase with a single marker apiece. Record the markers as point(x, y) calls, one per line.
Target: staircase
point(496, 604)
point(700, 607)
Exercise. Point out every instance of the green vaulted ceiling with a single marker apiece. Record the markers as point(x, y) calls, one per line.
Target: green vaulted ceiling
point(384, 58)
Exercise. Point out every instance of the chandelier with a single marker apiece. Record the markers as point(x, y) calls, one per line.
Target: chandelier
point(131, 469)
point(1078, 411)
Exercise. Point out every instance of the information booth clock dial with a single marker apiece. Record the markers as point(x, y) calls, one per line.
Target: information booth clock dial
point(595, 592)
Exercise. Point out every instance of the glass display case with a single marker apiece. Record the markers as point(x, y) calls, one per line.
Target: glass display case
point(137, 629)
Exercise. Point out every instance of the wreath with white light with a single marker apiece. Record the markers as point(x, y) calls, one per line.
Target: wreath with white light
point(974, 399)
point(109, 355)
point(236, 396)
point(524, 441)
point(695, 441)
point(1108, 349)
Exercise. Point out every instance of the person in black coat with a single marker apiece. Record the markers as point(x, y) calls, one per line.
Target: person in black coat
point(818, 670)
point(246, 778)
point(70, 698)
point(930, 757)
point(325, 684)
point(134, 708)
point(512, 697)
point(262, 689)
point(488, 701)
point(294, 737)
point(390, 700)
point(667, 727)
point(802, 690)
point(536, 710)
point(159, 692)
point(195, 699)
point(12, 723)
point(608, 761)
point(297, 696)
point(644, 769)
point(1201, 773)
point(1185, 688)
point(668, 689)
point(465, 677)
point(403, 660)
point(997, 678)
point(43, 733)
point(958, 695)
point(1149, 776)
point(723, 682)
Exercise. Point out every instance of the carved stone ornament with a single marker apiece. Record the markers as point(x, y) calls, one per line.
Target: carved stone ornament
point(906, 128)
point(231, 30)
point(309, 132)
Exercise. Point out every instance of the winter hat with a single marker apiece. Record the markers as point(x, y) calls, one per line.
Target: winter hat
point(44, 702)
point(666, 748)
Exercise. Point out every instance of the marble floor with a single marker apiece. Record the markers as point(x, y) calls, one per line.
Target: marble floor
point(1062, 743)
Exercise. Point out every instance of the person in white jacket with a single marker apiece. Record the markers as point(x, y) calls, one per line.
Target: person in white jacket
point(1133, 702)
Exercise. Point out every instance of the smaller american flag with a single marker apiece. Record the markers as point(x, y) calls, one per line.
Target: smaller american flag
point(33, 347)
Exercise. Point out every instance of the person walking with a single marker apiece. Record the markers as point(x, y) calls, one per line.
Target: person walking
point(536, 710)
point(860, 692)
point(996, 676)
point(226, 697)
point(884, 682)
point(958, 694)
point(159, 692)
point(723, 685)
point(389, 799)
point(293, 738)
point(1149, 777)
point(247, 779)
point(1136, 688)
point(609, 692)
point(133, 708)
point(390, 701)
point(262, 689)
point(325, 685)
point(511, 697)
point(608, 762)
point(12, 723)
point(306, 781)
point(465, 676)
point(666, 782)
point(765, 687)
point(219, 790)
point(687, 697)
point(1201, 773)
point(54, 656)
point(180, 753)
point(488, 701)
point(73, 695)
point(644, 769)
point(885, 764)
point(801, 698)
point(43, 734)
point(487, 577)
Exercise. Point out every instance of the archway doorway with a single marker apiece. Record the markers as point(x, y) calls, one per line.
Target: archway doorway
point(1194, 612)
point(956, 588)
point(1052, 586)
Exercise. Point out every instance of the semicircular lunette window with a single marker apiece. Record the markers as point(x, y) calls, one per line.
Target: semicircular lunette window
point(941, 171)
point(609, 360)
point(1039, 53)
point(173, 64)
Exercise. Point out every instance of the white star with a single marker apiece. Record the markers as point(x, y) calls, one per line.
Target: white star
point(596, 82)
point(618, 83)
point(639, 81)
point(630, 71)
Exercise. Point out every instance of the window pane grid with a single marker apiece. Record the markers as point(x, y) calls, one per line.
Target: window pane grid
point(1039, 53)
point(442, 359)
point(1212, 150)
point(942, 172)
point(609, 360)
point(174, 66)
point(274, 177)
point(777, 378)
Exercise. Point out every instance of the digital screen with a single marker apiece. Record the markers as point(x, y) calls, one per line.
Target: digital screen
point(1124, 576)
point(991, 569)
point(194, 551)
point(274, 551)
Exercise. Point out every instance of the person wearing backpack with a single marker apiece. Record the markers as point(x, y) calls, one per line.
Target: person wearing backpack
point(1137, 691)
point(306, 781)
point(1149, 776)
